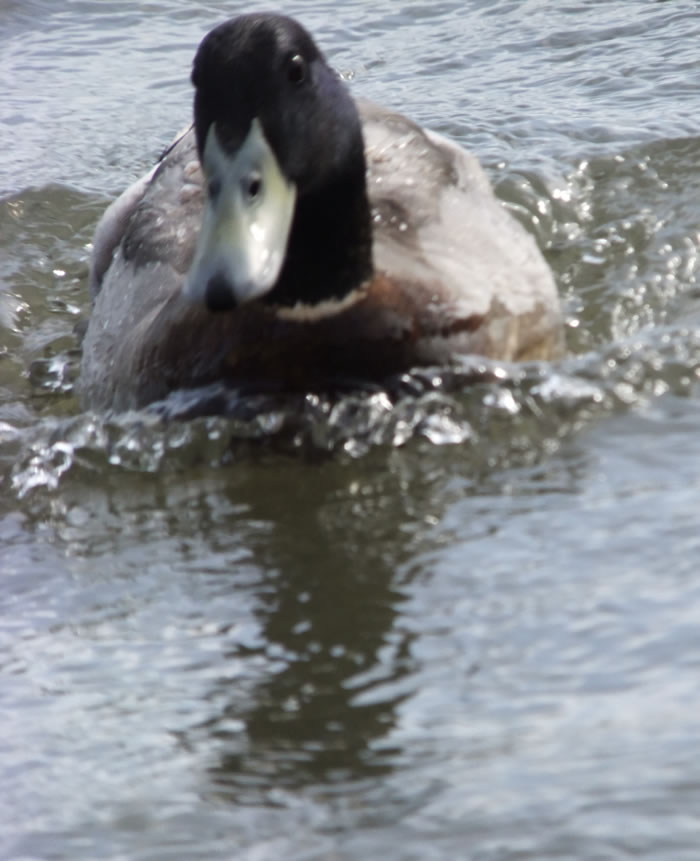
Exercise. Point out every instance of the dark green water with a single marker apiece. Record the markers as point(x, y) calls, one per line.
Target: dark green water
point(464, 623)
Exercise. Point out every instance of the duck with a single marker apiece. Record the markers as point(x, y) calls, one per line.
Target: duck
point(294, 236)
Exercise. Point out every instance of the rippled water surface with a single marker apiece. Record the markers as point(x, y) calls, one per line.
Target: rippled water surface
point(457, 618)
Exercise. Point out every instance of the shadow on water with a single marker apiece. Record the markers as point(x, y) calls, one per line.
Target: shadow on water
point(330, 594)
point(321, 551)
point(340, 547)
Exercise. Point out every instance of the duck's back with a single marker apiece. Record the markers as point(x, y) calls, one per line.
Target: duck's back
point(441, 232)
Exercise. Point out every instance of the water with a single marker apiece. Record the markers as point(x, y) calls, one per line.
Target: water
point(458, 619)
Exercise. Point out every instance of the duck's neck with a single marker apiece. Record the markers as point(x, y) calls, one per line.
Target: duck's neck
point(329, 253)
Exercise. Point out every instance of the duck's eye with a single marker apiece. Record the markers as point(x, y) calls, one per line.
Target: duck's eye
point(296, 69)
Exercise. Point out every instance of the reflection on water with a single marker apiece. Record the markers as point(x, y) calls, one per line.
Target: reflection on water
point(328, 603)
point(459, 611)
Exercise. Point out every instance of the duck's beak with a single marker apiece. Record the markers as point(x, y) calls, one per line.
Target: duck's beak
point(245, 227)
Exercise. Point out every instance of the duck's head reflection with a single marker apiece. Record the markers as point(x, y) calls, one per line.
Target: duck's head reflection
point(335, 665)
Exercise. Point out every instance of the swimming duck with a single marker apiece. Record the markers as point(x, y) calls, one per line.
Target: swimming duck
point(294, 235)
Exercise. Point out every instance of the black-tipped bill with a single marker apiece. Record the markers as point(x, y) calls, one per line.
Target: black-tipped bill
point(245, 227)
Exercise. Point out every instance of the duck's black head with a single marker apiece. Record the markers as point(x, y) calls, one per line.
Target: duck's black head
point(279, 138)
